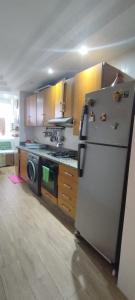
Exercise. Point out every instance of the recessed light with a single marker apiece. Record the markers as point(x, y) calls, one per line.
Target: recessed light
point(50, 71)
point(83, 50)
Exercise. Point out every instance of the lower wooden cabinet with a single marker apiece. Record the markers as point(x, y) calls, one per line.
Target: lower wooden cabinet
point(17, 164)
point(23, 155)
point(10, 159)
point(67, 184)
point(67, 189)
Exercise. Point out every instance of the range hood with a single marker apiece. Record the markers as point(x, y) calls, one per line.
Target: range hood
point(62, 121)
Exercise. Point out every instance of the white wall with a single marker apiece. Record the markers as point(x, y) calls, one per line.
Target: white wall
point(25, 133)
point(126, 63)
point(71, 141)
point(126, 278)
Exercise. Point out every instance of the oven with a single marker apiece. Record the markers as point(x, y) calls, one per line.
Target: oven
point(50, 176)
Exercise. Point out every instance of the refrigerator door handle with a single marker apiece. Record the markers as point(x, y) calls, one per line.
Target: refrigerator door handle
point(84, 120)
point(81, 158)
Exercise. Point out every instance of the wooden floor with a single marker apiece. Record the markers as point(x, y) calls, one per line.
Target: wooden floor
point(40, 258)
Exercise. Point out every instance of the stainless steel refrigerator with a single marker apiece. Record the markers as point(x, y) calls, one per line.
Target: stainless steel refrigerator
point(105, 138)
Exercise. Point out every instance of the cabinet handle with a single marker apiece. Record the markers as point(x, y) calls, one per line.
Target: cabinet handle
point(63, 107)
point(65, 196)
point(68, 174)
point(67, 186)
point(66, 207)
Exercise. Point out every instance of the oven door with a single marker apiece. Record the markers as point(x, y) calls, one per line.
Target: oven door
point(50, 177)
point(31, 170)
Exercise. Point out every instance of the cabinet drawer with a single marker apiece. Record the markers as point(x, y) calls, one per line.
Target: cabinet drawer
point(68, 173)
point(68, 199)
point(67, 209)
point(67, 188)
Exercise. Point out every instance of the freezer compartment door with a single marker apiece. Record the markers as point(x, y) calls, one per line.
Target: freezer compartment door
point(100, 197)
point(109, 116)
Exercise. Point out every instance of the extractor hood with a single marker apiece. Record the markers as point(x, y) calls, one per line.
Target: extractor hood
point(62, 121)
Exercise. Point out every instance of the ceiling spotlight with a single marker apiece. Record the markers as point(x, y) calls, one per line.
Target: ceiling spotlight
point(83, 50)
point(50, 71)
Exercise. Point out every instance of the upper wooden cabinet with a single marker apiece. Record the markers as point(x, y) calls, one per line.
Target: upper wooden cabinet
point(48, 104)
point(30, 110)
point(39, 110)
point(84, 82)
point(68, 98)
point(59, 96)
point(90, 80)
point(63, 91)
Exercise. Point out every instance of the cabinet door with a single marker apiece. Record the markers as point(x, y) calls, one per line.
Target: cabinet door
point(68, 97)
point(10, 159)
point(33, 104)
point(40, 113)
point(27, 112)
point(84, 82)
point(49, 104)
point(30, 111)
point(23, 164)
point(59, 93)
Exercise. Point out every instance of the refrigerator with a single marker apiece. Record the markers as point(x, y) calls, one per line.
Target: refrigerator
point(104, 149)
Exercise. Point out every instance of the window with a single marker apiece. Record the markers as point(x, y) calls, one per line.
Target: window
point(8, 114)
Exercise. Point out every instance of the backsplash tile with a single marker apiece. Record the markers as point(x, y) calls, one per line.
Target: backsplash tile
point(71, 141)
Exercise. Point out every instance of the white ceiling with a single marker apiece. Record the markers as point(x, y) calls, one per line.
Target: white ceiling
point(37, 34)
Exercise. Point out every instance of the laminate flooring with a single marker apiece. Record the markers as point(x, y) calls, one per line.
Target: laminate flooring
point(40, 258)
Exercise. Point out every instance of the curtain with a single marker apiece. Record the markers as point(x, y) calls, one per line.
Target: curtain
point(2, 126)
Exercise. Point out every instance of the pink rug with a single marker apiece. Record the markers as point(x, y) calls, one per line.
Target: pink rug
point(16, 179)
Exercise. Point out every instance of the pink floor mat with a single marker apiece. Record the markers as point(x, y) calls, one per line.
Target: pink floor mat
point(15, 179)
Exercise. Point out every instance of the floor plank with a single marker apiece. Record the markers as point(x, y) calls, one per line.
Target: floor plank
point(40, 257)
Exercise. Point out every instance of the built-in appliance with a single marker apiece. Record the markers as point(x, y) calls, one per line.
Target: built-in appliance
point(63, 154)
point(104, 149)
point(49, 177)
point(34, 172)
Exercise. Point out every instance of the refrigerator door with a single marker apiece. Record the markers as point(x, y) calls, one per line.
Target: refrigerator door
point(100, 197)
point(109, 116)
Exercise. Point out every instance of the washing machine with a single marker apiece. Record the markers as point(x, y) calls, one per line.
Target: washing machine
point(34, 173)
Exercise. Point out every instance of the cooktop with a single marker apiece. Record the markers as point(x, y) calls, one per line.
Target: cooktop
point(63, 154)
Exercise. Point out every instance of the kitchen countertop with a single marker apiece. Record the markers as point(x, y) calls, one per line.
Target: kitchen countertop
point(44, 153)
point(8, 151)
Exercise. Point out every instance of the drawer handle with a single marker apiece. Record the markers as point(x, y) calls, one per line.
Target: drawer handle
point(67, 186)
point(66, 173)
point(65, 196)
point(66, 208)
